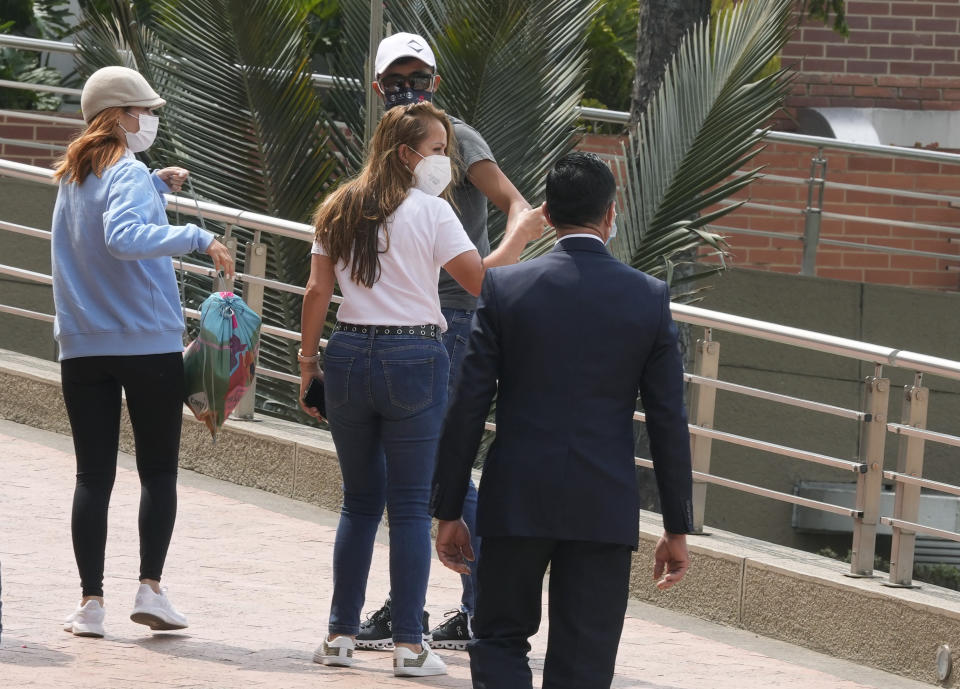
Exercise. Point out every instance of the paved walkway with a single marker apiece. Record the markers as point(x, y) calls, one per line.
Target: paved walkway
point(252, 573)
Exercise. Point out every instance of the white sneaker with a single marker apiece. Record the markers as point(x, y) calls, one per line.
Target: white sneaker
point(338, 652)
point(156, 611)
point(86, 620)
point(406, 663)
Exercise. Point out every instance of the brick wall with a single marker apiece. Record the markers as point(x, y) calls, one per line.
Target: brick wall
point(21, 129)
point(785, 255)
point(900, 54)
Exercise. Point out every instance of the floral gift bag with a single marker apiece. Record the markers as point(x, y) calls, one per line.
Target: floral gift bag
point(220, 364)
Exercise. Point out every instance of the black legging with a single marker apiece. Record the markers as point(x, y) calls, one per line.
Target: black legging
point(154, 387)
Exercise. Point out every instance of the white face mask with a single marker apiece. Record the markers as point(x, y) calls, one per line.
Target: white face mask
point(432, 174)
point(143, 139)
point(613, 231)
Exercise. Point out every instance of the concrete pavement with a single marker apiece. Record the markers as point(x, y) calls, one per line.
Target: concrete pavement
point(251, 570)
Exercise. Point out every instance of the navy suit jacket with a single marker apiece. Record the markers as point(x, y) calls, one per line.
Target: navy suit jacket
point(567, 341)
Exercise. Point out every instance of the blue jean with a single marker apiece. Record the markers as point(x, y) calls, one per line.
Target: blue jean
point(455, 340)
point(385, 399)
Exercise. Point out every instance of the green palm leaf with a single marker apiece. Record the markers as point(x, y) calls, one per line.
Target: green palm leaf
point(699, 128)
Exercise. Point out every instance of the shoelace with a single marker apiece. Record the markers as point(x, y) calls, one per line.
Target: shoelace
point(378, 615)
point(450, 618)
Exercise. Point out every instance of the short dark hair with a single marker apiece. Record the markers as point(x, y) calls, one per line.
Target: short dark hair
point(580, 189)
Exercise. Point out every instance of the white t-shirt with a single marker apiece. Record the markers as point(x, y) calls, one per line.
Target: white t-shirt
point(424, 234)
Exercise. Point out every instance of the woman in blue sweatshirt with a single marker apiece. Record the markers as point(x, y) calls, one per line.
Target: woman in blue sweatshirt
point(120, 326)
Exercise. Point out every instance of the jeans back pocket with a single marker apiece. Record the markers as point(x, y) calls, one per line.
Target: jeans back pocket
point(336, 379)
point(410, 382)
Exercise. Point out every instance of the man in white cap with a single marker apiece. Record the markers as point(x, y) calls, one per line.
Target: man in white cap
point(406, 72)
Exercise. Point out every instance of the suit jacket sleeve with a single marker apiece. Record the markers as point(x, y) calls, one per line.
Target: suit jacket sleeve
point(661, 390)
point(463, 426)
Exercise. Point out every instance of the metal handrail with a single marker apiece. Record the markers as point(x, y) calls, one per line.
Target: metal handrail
point(821, 342)
point(43, 88)
point(804, 181)
point(913, 527)
point(33, 144)
point(775, 397)
point(922, 482)
point(43, 117)
point(932, 436)
point(37, 44)
point(764, 492)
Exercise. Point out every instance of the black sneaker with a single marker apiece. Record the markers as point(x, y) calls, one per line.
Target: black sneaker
point(376, 632)
point(454, 632)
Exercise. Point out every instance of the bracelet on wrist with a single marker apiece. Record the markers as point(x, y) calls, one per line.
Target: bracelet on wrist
point(303, 359)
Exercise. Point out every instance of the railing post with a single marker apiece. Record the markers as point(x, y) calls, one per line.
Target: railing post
point(812, 213)
point(703, 399)
point(373, 100)
point(255, 265)
point(907, 499)
point(873, 435)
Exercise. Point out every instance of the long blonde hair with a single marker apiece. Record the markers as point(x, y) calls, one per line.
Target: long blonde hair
point(95, 149)
point(348, 221)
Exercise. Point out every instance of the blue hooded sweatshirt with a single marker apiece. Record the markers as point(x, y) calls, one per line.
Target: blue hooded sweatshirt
point(114, 284)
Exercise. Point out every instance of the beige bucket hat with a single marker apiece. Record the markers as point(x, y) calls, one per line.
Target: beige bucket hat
point(116, 86)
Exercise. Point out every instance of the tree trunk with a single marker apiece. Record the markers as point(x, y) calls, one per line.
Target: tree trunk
point(661, 25)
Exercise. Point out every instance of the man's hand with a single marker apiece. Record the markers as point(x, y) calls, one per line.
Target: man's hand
point(173, 177)
point(670, 555)
point(453, 545)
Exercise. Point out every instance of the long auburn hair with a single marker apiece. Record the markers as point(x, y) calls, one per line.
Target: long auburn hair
point(348, 220)
point(95, 149)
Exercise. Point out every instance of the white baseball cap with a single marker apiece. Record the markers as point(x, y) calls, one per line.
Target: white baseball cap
point(400, 45)
point(116, 86)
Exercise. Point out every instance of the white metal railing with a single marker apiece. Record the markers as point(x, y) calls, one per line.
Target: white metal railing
point(871, 417)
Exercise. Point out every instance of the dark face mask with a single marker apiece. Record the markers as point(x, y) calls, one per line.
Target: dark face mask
point(407, 96)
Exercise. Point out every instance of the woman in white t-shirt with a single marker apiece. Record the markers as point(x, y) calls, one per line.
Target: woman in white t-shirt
point(383, 237)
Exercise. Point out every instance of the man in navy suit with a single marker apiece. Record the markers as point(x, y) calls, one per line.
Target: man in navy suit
point(566, 341)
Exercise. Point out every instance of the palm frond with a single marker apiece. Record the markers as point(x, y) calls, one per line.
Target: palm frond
point(698, 129)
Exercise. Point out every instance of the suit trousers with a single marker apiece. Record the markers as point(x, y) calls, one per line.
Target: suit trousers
point(589, 583)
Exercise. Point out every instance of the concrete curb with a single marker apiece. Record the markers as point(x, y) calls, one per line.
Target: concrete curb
point(754, 585)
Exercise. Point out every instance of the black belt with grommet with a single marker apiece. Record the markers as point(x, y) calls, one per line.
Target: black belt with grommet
point(431, 331)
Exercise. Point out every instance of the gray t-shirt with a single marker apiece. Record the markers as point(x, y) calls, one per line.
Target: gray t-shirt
point(471, 208)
